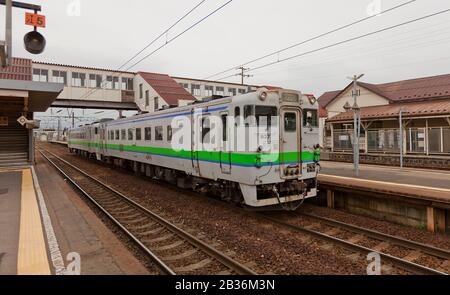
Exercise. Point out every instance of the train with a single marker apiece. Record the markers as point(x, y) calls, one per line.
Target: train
point(259, 149)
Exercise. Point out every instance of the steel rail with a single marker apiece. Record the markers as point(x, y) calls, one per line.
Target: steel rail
point(427, 249)
point(211, 251)
point(404, 264)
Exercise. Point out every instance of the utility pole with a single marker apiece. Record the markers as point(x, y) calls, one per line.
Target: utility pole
point(8, 32)
point(356, 121)
point(242, 74)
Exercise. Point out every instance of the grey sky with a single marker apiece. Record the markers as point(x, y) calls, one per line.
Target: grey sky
point(107, 32)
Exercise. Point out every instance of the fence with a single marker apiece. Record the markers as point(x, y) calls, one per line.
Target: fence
point(388, 140)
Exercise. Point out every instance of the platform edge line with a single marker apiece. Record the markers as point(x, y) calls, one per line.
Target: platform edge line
point(55, 253)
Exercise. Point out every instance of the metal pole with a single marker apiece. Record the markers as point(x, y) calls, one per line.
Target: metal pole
point(401, 138)
point(8, 32)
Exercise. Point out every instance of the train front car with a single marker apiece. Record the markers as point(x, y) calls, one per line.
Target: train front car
point(285, 160)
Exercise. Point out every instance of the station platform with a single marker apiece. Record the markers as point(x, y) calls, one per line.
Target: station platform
point(432, 185)
point(45, 225)
point(411, 196)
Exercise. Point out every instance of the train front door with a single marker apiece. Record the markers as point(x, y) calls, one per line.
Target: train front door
point(290, 143)
point(225, 151)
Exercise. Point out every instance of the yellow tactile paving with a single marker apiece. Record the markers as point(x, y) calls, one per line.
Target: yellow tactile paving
point(32, 255)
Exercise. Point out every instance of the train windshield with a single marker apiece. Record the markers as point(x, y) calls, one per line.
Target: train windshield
point(266, 116)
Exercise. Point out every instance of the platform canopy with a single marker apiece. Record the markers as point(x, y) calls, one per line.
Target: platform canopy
point(40, 95)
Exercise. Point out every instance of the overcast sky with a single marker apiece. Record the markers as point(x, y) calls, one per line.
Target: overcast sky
point(105, 33)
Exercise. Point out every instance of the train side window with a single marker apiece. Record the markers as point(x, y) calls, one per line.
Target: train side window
point(117, 135)
point(169, 133)
point(123, 134)
point(130, 134)
point(159, 133)
point(290, 122)
point(224, 127)
point(248, 111)
point(148, 133)
point(206, 130)
point(237, 112)
point(138, 133)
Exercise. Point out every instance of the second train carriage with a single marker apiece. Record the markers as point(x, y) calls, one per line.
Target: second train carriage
point(279, 171)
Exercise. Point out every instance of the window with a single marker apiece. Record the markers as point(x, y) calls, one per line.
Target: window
point(78, 79)
point(209, 90)
point(237, 112)
point(159, 133)
point(241, 91)
point(310, 117)
point(141, 93)
point(116, 83)
point(290, 122)
point(59, 77)
point(123, 134)
point(40, 75)
point(156, 104)
point(169, 133)
point(117, 135)
point(185, 85)
point(248, 111)
point(148, 133)
point(231, 91)
point(220, 91)
point(130, 134)
point(224, 127)
point(127, 84)
point(206, 129)
point(195, 90)
point(95, 81)
point(264, 115)
point(138, 134)
point(109, 82)
point(147, 98)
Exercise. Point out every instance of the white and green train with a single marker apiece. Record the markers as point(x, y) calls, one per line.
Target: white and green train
point(259, 149)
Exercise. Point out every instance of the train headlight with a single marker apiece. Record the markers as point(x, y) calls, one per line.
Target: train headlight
point(263, 96)
point(312, 99)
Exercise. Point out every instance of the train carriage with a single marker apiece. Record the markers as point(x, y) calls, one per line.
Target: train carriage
point(258, 148)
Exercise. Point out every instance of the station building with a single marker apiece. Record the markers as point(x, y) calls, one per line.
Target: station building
point(20, 97)
point(425, 107)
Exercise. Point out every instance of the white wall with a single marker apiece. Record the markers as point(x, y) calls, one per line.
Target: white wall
point(215, 84)
point(74, 92)
point(366, 99)
point(140, 102)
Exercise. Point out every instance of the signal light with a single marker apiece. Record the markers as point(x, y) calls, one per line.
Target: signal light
point(34, 42)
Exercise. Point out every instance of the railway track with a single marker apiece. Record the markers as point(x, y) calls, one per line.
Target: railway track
point(172, 249)
point(334, 232)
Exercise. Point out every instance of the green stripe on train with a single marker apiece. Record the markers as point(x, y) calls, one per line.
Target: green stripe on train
point(234, 158)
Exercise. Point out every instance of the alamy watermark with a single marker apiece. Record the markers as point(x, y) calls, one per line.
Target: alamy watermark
point(374, 266)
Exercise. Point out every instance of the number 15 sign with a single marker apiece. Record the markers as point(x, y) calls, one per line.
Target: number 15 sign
point(35, 20)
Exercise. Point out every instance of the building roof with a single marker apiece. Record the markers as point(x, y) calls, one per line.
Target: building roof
point(82, 67)
point(420, 89)
point(323, 113)
point(327, 97)
point(167, 88)
point(411, 109)
point(213, 81)
point(20, 69)
point(40, 94)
